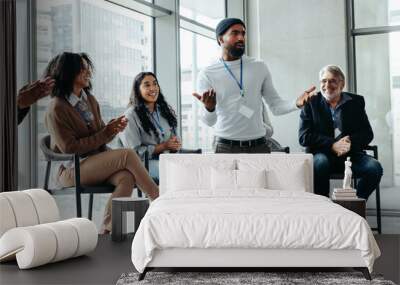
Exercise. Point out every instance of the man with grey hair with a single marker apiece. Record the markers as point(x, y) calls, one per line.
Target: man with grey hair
point(334, 126)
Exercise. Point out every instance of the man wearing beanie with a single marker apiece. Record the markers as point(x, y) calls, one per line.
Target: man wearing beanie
point(232, 89)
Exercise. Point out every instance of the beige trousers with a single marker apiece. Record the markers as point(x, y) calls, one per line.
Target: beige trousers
point(121, 168)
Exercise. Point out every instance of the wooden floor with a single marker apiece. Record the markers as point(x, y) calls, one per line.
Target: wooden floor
point(111, 259)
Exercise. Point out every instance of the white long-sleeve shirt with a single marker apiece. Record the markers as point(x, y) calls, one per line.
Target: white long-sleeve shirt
point(228, 122)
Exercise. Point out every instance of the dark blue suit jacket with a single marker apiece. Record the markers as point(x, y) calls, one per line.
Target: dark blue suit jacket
point(316, 131)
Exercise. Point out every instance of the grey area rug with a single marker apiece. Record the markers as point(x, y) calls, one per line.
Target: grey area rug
point(243, 278)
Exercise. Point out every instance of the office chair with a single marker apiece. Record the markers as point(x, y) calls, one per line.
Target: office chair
point(79, 189)
point(276, 147)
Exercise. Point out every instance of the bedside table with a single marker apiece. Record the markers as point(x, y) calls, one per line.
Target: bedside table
point(126, 204)
point(356, 205)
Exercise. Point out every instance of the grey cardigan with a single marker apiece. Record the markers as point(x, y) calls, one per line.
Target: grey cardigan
point(136, 138)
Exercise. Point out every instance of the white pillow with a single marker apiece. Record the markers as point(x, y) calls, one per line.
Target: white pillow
point(188, 176)
point(223, 179)
point(281, 174)
point(251, 178)
point(228, 179)
point(291, 178)
point(183, 177)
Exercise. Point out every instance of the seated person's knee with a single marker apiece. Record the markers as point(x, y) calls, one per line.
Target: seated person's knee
point(124, 181)
point(374, 168)
point(321, 161)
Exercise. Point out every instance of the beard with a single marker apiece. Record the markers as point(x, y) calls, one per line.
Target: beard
point(236, 51)
point(329, 96)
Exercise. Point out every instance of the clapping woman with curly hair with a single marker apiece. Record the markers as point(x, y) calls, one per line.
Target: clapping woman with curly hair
point(75, 125)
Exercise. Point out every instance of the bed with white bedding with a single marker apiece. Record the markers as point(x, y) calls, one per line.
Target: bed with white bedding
point(247, 211)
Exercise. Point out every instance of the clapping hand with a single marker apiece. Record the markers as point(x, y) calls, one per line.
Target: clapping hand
point(173, 144)
point(46, 85)
point(305, 97)
point(208, 99)
point(342, 146)
point(30, 93)
point(116, 125)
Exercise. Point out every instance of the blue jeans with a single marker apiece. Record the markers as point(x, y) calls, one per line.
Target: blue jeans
point(366, 169)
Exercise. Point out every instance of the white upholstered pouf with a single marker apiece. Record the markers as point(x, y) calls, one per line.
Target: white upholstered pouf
point(31, 233)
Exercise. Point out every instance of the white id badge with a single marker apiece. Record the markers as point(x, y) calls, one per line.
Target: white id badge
point(246, 111)
point(337, 132)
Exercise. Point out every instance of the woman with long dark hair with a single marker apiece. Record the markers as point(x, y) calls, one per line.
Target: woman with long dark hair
point(75, 125)
point(151, 121)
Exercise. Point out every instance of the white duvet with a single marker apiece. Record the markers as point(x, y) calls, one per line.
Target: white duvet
point(253, 218)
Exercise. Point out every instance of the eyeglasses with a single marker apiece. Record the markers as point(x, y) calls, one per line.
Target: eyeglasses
point(331, 81)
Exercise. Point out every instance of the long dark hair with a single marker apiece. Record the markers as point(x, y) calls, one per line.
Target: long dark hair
point(64, 68)
point(141, 110)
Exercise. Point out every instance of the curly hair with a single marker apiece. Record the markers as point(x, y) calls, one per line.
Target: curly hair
point(64, 68)
point(49, 70)
point(136, 100)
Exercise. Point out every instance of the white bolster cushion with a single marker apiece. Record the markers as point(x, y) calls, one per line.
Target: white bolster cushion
point(23, 208)
point(66, 238)
point(7, 218)
point(33, 246)
point(46, 207)
point(26, 208)
point(37, 245)
point(87, 235)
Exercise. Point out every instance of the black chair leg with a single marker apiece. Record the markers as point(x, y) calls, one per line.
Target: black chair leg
point(78, 204)
point(47, 176)
point(378, 209)
point(90, 210)
point(78, 186)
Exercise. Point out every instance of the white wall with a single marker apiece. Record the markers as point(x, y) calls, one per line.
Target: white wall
point(295, 39)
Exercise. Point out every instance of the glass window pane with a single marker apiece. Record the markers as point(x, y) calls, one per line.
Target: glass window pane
point(378, 73)
point(118, 40)
point(196, 53)
point(371, 13)
point(206, 12)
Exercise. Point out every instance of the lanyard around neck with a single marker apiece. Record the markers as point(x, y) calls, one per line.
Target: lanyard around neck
point(158, 122)
point(240, 84)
